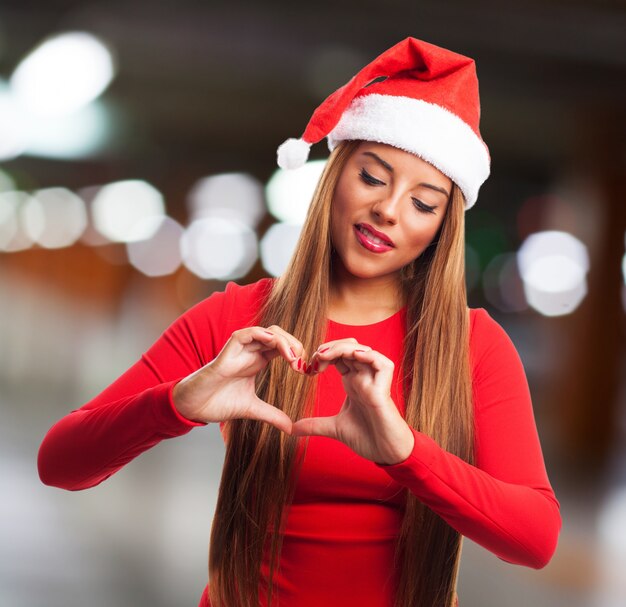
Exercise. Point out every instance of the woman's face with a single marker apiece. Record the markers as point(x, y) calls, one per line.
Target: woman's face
point(387, 207)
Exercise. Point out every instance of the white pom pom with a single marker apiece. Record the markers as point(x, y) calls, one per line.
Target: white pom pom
point(293, 153)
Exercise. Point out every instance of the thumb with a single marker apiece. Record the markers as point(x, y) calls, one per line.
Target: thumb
point(315, 426)
point(265, 412)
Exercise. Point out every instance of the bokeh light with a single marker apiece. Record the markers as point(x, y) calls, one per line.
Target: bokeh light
point(54, 217)
point(9, 203)
point(75, 135)
point(91, 236)
point(553, 266)
point(278, 245)
point(289, 192)
point(63, 74)
point(159, 254)
point(216, 247)
point(13, 126)
point(502, 284)
point(13, 237)
point(611, 528)
point(612, 522)
point(237, 196)
point(117, 207)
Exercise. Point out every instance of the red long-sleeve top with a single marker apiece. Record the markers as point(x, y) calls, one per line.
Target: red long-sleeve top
point(345, 517)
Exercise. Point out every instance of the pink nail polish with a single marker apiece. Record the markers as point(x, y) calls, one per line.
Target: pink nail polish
point(324, 350)
point(299, 363)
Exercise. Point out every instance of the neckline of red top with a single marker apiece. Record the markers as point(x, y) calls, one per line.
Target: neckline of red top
point(400, 312)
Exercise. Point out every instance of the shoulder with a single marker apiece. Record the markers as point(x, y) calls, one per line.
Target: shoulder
point(483, 327)
point(235, 304)
point(252, 293)
point(205, 327)
point(490, 344)
point(499, 379)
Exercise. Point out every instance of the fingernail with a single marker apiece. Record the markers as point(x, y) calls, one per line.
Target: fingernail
point(292, 352)
point(359, 350)
point(324, 350)
point(299, 363)
point(269, 333)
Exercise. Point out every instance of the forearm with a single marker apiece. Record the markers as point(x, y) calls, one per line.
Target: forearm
point(90, 444)
point(137, 410)
point(518, 523)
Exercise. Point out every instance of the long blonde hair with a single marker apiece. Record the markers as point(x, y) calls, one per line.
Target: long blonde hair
point(261, 463)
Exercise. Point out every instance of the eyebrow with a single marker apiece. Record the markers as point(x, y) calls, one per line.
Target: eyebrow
point(390, 169)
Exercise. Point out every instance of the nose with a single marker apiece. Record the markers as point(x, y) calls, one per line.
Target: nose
point(386, 210)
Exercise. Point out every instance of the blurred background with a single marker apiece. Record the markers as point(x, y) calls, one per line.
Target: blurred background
point(137, 176)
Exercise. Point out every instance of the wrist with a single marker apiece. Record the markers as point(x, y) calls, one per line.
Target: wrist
point(183, 400)
point(179, 400)
point(402, 448)
point(193, 394)
point(406, 445)
point(177, 409)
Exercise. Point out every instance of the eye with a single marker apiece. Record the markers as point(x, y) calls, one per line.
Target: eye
point(422, 206)
point(367, 178)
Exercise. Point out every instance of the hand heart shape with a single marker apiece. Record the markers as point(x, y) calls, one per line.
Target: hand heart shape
point(369, 422)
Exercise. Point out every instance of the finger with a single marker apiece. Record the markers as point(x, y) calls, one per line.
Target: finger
point(375, 359)
point(296, 349)
point(257, 338)
point(326, 346)
point(361, 367)
point(315, 426)
point(379, 363)
point(294, 343)
point(307, 368)
point(328, 354)
point(337, 356)
point(317, 364)
point(270, 343)
point(341, 366)
point(341, 349)
point(353, 366)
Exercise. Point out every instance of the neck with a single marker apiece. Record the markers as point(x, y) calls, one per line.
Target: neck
point(364, 298)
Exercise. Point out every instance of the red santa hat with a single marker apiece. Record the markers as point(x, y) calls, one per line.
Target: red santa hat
point(417, 97)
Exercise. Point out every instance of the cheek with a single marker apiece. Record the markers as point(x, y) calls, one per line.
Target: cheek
point(338, 213)
point(423, 232)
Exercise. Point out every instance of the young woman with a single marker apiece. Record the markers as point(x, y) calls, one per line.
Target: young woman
point(371, 419)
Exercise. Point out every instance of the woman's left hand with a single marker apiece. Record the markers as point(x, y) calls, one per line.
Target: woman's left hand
point(369, 421)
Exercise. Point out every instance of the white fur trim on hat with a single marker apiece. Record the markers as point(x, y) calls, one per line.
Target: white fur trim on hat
point(424, 129)
point(292, 153)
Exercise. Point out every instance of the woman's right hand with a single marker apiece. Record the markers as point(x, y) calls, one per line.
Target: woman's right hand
point(224, 389)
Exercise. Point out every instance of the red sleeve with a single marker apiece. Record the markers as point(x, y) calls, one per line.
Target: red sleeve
point(505, 503)
point(136, 411)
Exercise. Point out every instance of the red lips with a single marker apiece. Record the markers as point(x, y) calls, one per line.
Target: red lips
point(378, 234)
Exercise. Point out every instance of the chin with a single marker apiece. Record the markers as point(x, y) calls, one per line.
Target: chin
point(364, 272)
